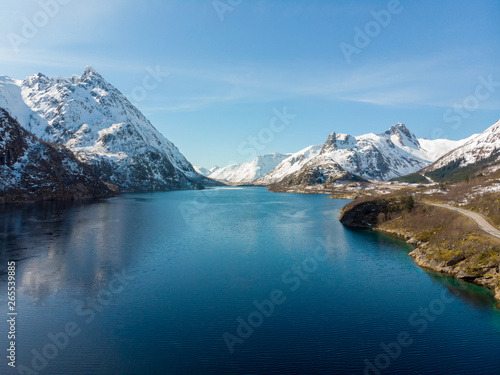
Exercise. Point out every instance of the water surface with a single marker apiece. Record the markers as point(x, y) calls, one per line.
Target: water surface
point(155, 283)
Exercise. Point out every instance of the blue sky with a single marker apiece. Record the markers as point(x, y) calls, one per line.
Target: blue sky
point(224, 74)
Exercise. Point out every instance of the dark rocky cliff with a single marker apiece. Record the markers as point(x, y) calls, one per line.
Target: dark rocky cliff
point(31, 169)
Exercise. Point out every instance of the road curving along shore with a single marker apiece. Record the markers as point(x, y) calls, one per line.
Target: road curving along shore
point(479, 219)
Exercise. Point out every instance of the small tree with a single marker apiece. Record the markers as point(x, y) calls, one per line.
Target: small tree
point(409, 204)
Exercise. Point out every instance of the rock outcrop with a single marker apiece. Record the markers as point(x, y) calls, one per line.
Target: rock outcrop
point(31, 169)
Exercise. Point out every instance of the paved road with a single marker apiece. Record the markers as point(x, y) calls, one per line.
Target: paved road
point(479, 219)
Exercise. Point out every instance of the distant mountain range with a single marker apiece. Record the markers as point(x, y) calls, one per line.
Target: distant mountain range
point(102, 128)
point(343, 157)
point(205, 171)
point(245, 173)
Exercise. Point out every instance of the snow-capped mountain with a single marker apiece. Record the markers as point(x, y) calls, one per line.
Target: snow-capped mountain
point(31, 169)
point(476, 148)
point(206, 171)
point(321, 170)
point(248, 172)
point(394, 153)
point(290, 165)
point(435, 148)
point(104, 130)
point(376, 156)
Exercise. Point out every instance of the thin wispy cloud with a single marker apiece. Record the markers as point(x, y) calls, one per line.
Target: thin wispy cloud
point(399, 83)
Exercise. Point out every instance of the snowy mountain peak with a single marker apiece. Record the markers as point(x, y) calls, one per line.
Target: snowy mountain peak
point(206, 171)
point(88, 72)
point(400, 127)
point(400, 135)
point(39, 81)
point(338, 141)
point(290, 165)
point(99, 124)
point(330, 144)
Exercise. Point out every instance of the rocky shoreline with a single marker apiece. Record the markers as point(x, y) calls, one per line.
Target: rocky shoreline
point(473, 257)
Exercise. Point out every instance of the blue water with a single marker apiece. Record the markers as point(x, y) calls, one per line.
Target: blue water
point(160, 283)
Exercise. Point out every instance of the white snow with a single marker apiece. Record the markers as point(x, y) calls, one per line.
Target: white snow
point(435, 148)
point(206, 171)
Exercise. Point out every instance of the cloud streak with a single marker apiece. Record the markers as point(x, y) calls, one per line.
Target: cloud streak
point(402, 83)
point(192, 87)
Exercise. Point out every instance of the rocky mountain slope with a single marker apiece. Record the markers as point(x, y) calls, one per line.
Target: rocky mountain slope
point(31, 169)
point(102, 128)
point(248, 172)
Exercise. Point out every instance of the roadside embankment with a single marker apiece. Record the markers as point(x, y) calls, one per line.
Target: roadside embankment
point(446, 241)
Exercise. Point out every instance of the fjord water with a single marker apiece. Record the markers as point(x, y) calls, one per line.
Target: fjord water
point(150, 283)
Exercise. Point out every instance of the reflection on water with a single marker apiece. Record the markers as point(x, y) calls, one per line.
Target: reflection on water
point(473, 295)
point(62, 245)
